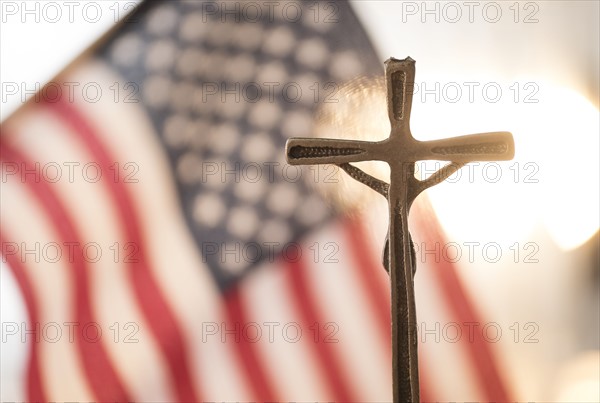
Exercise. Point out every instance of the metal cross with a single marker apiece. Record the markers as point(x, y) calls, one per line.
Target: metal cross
point(400, 150)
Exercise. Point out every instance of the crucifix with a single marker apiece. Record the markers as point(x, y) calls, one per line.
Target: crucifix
point(401, 150)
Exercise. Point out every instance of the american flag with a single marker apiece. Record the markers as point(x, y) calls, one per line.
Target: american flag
point(166, 252)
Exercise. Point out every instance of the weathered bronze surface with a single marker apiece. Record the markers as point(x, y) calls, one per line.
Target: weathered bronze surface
point(400, 150)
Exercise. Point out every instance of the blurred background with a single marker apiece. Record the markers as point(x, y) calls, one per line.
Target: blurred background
point(531, 68)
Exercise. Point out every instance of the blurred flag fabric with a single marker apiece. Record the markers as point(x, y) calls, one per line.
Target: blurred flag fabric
point(166, 252)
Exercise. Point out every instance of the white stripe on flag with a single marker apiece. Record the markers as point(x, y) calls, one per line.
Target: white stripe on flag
point(61, 370)
point(341, 298)
point(288, 362)
point(447, 363)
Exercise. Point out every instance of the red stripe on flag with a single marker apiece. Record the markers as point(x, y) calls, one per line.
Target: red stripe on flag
point(307, 307)
point(367, 270)
point(379, 296)
point(35, 389)
point(457, 299)
point(247, 354)
point(152, 302)
point(100, 373)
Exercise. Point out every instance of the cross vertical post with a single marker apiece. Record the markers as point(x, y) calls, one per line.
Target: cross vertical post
point(401, 150)
point(400, 78)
